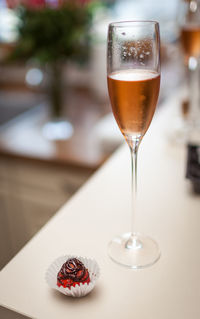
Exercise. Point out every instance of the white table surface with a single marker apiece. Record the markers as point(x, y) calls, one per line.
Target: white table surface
point(167, 210)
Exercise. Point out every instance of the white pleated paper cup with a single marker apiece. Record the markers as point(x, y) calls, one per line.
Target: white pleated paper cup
point(77, 291)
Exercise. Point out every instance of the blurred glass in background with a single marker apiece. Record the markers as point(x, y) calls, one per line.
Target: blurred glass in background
point(189, 29)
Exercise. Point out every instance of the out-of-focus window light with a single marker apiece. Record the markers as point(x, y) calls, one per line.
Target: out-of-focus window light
point(165, 12)
point(34, 77)
point(8, 22)
point(58, 130)
point(192, 63)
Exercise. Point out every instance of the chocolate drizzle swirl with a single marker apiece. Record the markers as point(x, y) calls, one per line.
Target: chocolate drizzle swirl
point(73, 269)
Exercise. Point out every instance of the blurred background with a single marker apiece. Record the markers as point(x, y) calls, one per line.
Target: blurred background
point(55, 123)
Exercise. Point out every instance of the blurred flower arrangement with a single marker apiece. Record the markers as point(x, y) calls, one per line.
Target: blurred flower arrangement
point(52, 32)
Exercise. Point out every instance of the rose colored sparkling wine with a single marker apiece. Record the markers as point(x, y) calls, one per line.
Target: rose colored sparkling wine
point(133, 95)
point(190, 39)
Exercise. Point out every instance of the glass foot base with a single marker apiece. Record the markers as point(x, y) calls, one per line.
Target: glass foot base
point(134, 251)
point(58, 129)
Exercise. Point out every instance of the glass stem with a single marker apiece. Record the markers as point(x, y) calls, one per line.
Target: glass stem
point(133, 242)
point(193, 69)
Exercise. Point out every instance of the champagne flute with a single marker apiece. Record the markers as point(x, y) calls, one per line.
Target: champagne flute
point(133, 75)
point(189, 23)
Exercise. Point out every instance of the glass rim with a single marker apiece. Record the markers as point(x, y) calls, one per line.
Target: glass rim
point(130, 23)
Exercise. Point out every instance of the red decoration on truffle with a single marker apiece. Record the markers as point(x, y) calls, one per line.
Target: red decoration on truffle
point(72, 273)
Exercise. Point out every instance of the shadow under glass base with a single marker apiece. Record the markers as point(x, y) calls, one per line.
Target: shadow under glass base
point(134, 251)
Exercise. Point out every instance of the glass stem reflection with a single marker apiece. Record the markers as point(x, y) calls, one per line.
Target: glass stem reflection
point(133, 242)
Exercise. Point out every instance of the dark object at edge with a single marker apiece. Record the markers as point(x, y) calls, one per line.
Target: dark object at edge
point(193, 166)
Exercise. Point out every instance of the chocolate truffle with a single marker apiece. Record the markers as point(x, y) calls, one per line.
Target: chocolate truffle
point(72, 273)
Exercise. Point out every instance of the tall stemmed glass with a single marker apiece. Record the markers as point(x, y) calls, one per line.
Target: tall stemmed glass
point(189, 23)
point(133, 73)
